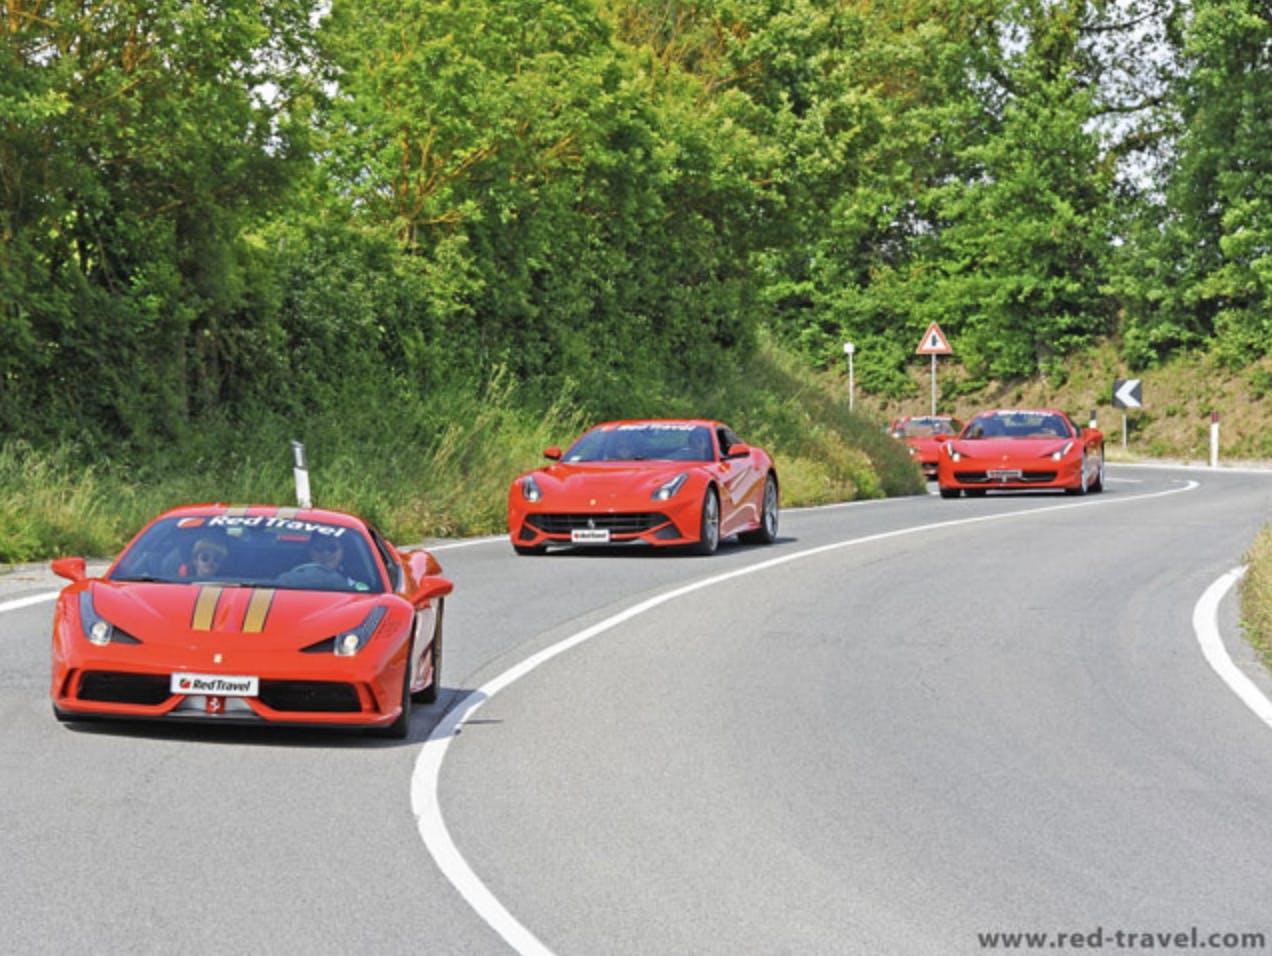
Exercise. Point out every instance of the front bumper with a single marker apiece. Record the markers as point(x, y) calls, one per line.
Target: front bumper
point(970, 474)
point(326, 690)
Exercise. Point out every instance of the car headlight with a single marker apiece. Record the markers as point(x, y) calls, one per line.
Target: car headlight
point(1060, 453)
point(348, 643)
point(669, 488)
point(530, 489)
point(954, 453)
point(97, 630)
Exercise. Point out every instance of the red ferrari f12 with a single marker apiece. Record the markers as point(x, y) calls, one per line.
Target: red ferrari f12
point(661, 482)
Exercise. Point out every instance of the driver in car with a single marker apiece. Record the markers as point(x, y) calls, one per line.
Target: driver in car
point(326, 554)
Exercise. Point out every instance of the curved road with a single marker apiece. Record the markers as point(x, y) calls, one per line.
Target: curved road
point(904, 727)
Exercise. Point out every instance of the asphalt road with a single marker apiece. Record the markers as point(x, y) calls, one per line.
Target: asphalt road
point(903, 727)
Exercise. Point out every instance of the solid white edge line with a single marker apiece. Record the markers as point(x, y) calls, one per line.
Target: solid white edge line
point(27, 601)
point(466, 543)
point(1206, 627)
point(426, 777)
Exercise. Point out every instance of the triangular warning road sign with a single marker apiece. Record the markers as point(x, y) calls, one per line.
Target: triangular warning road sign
point(934, 342)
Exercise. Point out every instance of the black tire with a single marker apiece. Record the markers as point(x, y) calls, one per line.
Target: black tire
point(949, 492)
point(708, 524)
point(1083, 487)
point(429, 694)
point(766, 533)
point(1098, 485)
point(528, 549)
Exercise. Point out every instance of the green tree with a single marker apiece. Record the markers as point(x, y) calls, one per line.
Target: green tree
point(138, 141)
point(589, 199)
point(1205, 258)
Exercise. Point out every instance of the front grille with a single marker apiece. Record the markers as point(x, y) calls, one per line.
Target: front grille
point(118, 687)
point(636, 522)
point(310, 695)
point(1026, 478)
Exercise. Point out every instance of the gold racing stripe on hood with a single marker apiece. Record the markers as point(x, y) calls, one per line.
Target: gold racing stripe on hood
point(258, 610)
point(205, 608)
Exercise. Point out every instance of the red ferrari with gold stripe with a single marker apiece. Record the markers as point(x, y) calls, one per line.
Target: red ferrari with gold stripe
point(255, 614)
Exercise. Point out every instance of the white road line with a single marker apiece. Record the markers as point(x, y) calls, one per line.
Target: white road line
point(27, 601)
point(1206, 627)
point(426, 777)
point(466, 543)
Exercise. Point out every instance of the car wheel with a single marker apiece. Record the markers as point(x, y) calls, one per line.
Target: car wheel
point(1082, 487)
point(709, 525)
point(949, 492)
point(429, 694)
point(766, 533)
point(1098, 484)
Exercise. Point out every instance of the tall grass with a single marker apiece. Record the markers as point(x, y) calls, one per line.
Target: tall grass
point(433, 466)
point(51, 505)
point(1256, 596)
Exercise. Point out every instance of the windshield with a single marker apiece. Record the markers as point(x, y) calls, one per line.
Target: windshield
point(925, 428)
point(252, 551)
point(1018, 424)
point(643, 442)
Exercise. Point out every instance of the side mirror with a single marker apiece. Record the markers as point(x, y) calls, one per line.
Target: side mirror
point(431, 588)
point(740, 450)
point(73, 569)
point(554, 453)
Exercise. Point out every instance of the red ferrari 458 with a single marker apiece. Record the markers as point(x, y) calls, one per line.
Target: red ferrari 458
point(683, 482)
point(1016, 449)
point(925, 434)
point(254, 614)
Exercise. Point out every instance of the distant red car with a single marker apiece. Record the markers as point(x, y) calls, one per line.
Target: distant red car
point(1017, 449)
point(661, 482)
point(925, 434)
point(252, 614)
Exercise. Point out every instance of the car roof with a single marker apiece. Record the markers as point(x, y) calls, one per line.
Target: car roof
point(1022, 411)
point(317, 515)
point(706, 423)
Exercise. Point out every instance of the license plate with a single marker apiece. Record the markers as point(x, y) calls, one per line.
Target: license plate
point(590, 535)
point(222, 685)
point(1003, 474)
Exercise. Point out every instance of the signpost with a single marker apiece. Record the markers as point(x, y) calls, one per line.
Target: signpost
point(934, 343)
point(1127, 394)
point(300, 471)
point(849, 348)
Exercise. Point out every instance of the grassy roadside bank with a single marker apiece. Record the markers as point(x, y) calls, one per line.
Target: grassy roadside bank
point(1256, 596)
point(441, 471)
